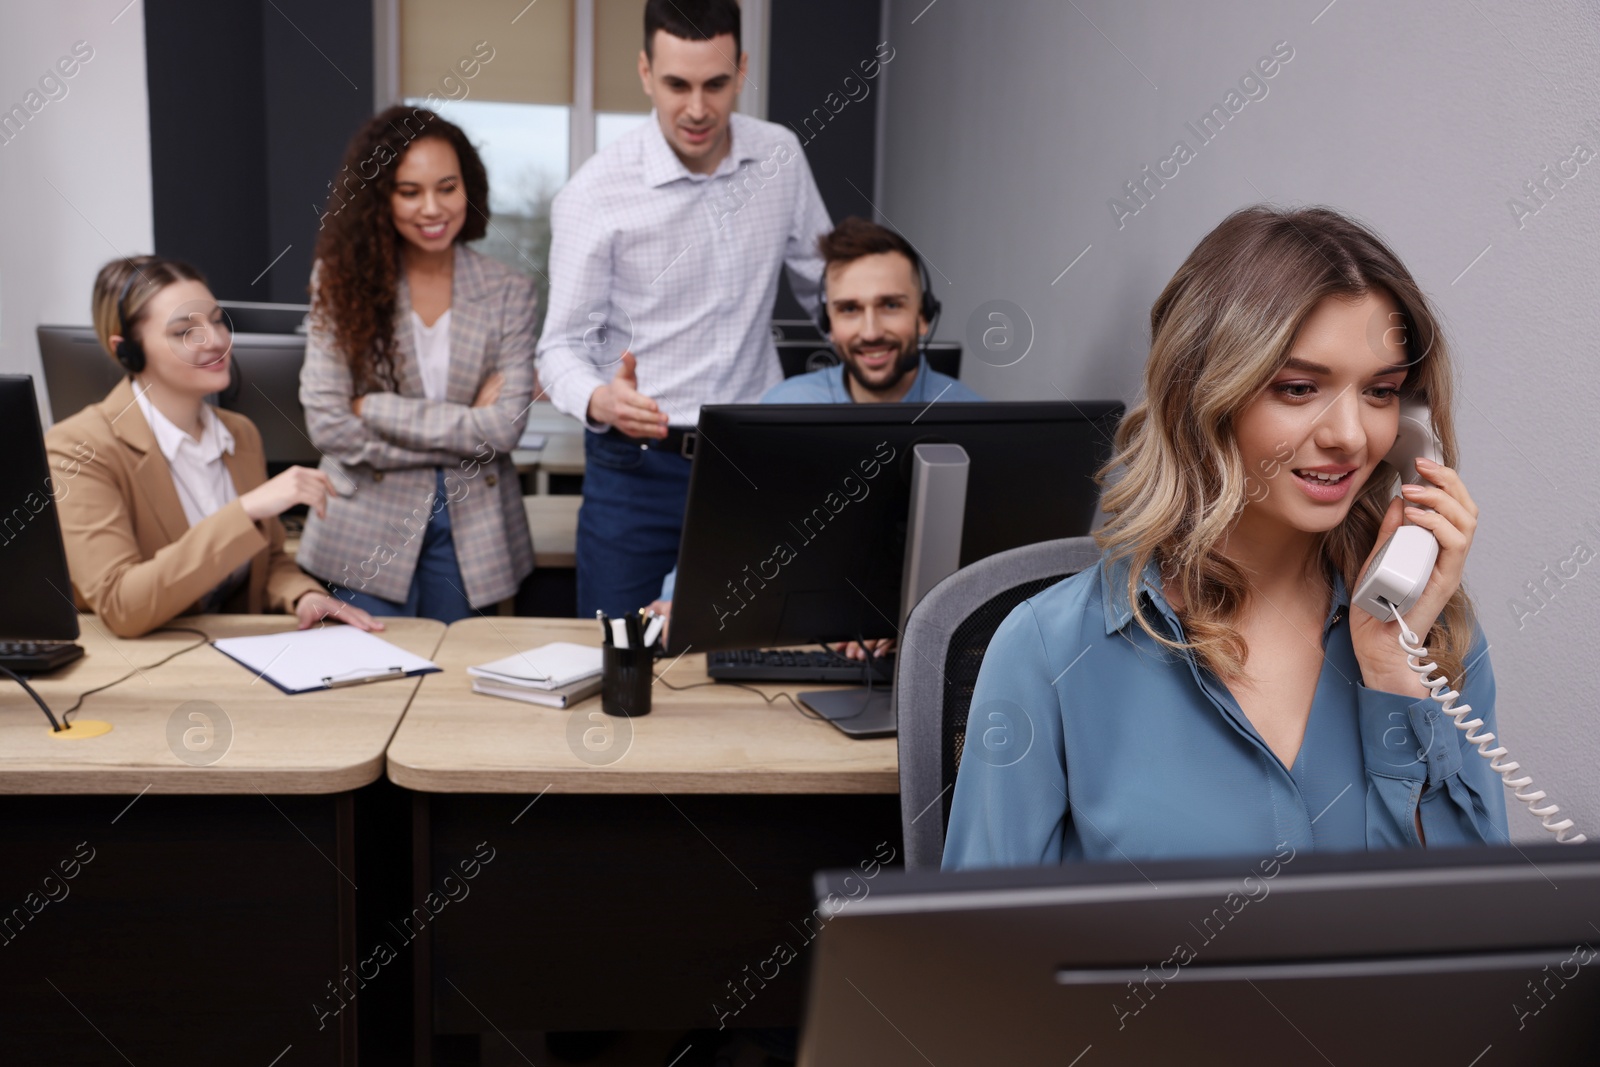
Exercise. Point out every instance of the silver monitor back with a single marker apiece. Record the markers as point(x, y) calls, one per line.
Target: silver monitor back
point(1401, 956)
point(265, 387)
point(77, 371)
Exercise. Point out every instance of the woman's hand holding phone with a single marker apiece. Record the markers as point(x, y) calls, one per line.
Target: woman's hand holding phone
point(1453, 520)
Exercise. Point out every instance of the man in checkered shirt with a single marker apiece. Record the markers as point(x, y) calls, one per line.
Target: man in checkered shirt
point(664, 261)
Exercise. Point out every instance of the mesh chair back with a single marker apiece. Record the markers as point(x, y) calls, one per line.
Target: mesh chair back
point(942, 648)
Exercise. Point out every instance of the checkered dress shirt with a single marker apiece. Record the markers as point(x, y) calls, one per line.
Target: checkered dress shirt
point(681, 268)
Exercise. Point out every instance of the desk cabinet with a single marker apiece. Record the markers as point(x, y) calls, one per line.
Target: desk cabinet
point(213, 914)
point(646, 882)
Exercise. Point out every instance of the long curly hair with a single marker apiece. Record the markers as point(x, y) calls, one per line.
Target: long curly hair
point(1220, 331)
point(355, 285)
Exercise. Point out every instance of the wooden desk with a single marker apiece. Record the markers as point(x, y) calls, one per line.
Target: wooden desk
point(563, 449)
point(328, 742)
point(553, 525)
point(713, 739)
point(630, 888)
point(205, 927)
point(562, 454)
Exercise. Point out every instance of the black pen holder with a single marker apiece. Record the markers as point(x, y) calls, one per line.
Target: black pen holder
point(626, 676)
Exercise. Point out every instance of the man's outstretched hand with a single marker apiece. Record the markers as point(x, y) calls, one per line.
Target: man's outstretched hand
point(619, 403)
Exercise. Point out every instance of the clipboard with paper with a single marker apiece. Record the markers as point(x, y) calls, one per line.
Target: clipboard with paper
point(325, 657)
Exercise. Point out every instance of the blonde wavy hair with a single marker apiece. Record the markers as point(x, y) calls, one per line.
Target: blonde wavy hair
point(1220, 331)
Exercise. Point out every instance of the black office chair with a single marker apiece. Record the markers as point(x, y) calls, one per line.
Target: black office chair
point(942, 648)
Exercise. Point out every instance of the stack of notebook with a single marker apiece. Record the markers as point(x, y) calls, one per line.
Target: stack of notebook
point(556, 675)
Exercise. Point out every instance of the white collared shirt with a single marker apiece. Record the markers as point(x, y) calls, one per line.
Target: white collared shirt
point(201, 478)
point(682, 268)
point(433, 354)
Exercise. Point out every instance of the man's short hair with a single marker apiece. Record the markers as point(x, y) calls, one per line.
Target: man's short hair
point(856, 237)
point(692, 20)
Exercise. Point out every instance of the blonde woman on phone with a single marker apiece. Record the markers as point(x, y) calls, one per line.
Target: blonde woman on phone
point(1205, 689)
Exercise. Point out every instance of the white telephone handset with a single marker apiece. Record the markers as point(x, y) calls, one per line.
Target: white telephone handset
point(1401, 570)
point(1393, 584)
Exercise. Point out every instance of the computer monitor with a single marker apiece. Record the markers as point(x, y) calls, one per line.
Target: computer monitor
point(264, 383)
point(1473, 957)
point(77, 371)
point(795, 529)
point(796, 330)
point(37, 603)
point(250, 316)
point(265, 387)
point(805, 356)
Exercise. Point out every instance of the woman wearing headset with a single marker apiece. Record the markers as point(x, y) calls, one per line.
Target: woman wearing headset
point(165, 504)
point(417, 380)
point(1206, 689)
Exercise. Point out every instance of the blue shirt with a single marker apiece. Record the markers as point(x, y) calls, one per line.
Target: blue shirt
point(828, 386)
point(1087, 740)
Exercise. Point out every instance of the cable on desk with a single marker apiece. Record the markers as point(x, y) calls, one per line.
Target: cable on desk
point(205, 638)
point(867, 669)
point(20, 680)
point(740, 685)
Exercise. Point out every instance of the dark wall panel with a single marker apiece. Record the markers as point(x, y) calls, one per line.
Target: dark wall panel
point(207, 154)
point(314, 103)
point(251, 102)
point(815, 45)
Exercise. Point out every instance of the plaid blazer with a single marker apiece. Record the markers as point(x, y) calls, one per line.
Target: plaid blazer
point(382, 462)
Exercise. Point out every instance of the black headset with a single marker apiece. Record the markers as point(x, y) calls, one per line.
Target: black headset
point(930, 307)
point(130, 353)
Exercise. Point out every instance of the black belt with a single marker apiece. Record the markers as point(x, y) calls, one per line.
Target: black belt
point(679, 439)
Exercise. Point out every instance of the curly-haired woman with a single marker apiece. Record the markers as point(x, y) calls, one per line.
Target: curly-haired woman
point(1249, 708)
point(417, 379)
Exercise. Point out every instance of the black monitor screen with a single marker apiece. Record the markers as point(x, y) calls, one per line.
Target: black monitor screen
point(795, 530)
point(36, 603)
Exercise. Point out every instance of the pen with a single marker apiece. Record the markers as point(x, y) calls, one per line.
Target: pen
point(605, 626)
point(378, 675)
point(634, 633)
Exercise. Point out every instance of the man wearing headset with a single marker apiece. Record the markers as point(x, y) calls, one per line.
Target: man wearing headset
point(877, 311)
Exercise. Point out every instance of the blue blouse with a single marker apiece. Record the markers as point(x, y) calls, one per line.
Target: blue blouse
point(1087, 740)
point(828, 386)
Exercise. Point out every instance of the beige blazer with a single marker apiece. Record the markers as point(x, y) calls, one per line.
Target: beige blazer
point(383, 463)
point(134, 558)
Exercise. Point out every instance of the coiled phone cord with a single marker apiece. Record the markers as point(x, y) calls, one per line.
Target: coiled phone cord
point(1439, 689)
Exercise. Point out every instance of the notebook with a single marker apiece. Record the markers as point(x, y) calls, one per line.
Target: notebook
point(564, 697)
point(551, 666)
point(323, 657)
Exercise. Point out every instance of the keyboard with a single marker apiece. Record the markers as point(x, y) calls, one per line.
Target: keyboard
point(787, 665)
point(37, 657)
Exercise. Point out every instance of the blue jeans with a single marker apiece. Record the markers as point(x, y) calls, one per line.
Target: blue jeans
point(630, 523)
point(437, 591)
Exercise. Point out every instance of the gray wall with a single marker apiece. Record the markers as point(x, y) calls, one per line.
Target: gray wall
point(1008, 127)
